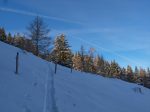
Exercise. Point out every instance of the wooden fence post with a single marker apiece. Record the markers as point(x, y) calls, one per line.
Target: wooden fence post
point(71, 69)
point(17, 61)
point(55, 68)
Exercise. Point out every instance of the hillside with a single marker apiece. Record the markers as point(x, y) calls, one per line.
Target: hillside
point(37, 89)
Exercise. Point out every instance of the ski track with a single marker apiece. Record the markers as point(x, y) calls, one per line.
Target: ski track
point(54, 105)
point(49, 100)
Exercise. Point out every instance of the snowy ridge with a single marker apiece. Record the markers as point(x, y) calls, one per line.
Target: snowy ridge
point(38, 89)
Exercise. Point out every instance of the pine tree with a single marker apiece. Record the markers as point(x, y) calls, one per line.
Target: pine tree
point(99, 64)
point(82, 52)
point(29, 46)
point(39, 33)
point(88, 61)
point(148, 72)
point(19, 41)
point(2, 34)
point(107, 69)
point(61, 53)
point(130, 76)
point(115, 70)
point(77, 63)
point(9, 38)
point(142, 72)
point(123, 74)
point(136, 71)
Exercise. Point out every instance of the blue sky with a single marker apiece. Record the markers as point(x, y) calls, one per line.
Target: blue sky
point(117, 29)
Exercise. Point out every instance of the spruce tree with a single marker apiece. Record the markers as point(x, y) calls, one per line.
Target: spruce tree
point(99, 64)
point(82, 52)
point(148, 72)
point(2, 34)
point(130, 76)
point(107, 69)
point(61, 53)
point(115, 69)
point(77, 63)
point(123, 74)
point(142, 72)
point(136, 71)
point(88, 61)
point(9, 38)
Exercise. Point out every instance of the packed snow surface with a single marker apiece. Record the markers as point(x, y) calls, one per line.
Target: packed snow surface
point(37, 89)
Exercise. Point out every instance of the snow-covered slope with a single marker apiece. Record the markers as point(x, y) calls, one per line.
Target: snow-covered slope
point(37, 89)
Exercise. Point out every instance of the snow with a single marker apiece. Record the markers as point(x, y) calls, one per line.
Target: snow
point(37, 89)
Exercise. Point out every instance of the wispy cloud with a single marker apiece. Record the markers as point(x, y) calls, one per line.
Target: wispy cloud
point(109, 51)
point(106, 30)
point(87, 30)
point(37, 14)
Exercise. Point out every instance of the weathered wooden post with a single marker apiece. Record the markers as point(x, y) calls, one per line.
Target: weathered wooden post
point(71, 69)
point(17, 61)
point(71, 66)
point(55, 68)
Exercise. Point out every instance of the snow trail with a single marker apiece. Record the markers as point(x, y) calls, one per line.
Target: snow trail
point(52, 91)
point(49, 100)
point(46, 93)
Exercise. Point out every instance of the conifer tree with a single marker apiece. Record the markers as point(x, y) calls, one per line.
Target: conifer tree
point(123, 74)
point(82, 52)
point(107, 69)
point(77, 63)
point(115, 70)
point(123, 71)
point(142, 72)
point(9, 38)
point(148, 72)
point(136, 71)
point(19, 41)
point(99, 64)
point(130, 76)
point(61, 53)
point(88, 61)
point(29, 46)
point(2, 34)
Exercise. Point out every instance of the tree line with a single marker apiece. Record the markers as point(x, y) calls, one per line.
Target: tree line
point(38, 42)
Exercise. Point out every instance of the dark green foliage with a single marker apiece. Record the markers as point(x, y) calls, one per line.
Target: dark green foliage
point(2, 35)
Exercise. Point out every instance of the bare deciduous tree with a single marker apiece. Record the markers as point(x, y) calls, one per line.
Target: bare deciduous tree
point(39, 33)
